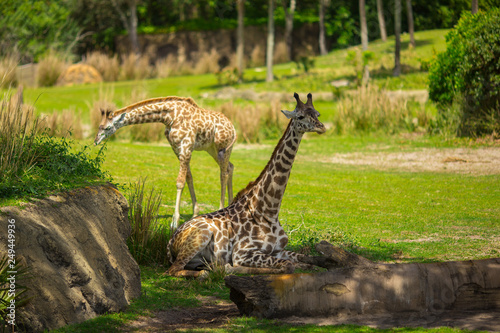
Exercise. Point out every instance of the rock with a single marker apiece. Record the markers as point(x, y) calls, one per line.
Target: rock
point(74, 245)
point(79, 74)
point(413, 288)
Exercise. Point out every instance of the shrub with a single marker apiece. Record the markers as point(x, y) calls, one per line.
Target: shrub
point(468, 73)
point(207, 63)
point(50, 68)
point(108, 67)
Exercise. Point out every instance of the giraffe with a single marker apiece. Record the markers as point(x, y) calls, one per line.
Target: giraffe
point(246, 236)
point(188, 128)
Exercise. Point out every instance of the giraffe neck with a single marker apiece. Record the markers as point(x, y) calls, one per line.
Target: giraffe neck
point(159, 110)
point(270, 187)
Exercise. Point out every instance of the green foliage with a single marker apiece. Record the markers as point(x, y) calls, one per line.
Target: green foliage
point(468, 72)
point(227, 76)
point(33, 163)
point(305, 63)
point(148, 238)
point(6, 296)
point(30, 27)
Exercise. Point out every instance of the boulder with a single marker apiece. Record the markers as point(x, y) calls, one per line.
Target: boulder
point(79, 74)
point(74, 245)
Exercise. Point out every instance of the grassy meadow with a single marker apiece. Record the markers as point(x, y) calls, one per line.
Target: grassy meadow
point(386, 215)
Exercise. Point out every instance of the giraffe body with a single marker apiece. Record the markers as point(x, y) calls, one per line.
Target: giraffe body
point(247, 236)
point(188, 128)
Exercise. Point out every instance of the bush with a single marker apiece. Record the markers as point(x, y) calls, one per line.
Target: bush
point(468, 73)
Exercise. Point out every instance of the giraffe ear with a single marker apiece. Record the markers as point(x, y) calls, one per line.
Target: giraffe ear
point(289, 114)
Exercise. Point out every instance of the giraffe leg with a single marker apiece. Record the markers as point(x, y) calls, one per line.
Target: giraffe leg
point(256, 262)
point(181, 182)
point(225, 173)
point(230, 183)
point(189, 179)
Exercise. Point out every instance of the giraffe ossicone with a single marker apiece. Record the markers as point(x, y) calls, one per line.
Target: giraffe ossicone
point(246, 236)
point(188, 128)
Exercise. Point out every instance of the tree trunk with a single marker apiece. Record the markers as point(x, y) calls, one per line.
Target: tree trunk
point(397, 35)
point(411, 30)
point(322, 42)
point(475, 6)
point(129, 22)
point(364, 29)
point(363, 287)
point(381, 20)
point(289, 13)
point(240, 38)
point(270, 42)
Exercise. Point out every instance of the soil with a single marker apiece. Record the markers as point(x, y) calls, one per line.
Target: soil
point(477, 161)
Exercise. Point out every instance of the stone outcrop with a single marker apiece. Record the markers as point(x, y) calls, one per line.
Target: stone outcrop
point(356, 286)
point(79, 74)
point(74, 245)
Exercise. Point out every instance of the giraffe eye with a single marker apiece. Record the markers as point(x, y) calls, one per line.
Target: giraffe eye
point(300, 117)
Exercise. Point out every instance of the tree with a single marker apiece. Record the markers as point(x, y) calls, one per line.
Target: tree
point(397, 35)
point(364, 29)
point(289, 13)
point(411, 29)
point(322, 43)
point(128, 17)
point(270, 42)
point(475, 6)
point(381, 20)
point(240, 38)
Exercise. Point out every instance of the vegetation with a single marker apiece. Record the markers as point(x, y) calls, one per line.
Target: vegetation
point(467, 73)
point(33, 163)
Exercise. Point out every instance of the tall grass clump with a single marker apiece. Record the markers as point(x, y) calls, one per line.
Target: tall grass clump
point(255, 122)
point(8, 66)
point(18, 129)
point(148, 240)
point(108, 67)
point(135, 67)
point(50, 67)
point(33, 163)
point(369, 109)
point(64, 124)
point(207, 63)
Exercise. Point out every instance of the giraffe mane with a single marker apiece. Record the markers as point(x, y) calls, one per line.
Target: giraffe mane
point(153, 101)
point(250, 185)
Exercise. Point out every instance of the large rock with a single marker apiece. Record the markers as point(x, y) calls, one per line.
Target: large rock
point(79, 74)
point(75, 247)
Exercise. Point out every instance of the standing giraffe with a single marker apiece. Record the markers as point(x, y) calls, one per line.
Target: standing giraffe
point(246, 236)
point(188, 128)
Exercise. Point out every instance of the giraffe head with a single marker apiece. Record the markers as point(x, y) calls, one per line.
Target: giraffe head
point(305, 116)
point(109, 124)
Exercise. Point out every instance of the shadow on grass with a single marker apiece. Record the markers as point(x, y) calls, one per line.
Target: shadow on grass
point(406, 44)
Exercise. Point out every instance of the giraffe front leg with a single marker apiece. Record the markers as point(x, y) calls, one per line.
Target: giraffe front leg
point(230, 183)
point(256, 262)
point(189, 178)
point(181, 181)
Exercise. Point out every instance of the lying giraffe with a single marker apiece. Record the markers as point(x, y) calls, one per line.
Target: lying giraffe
point(188, 128)
point(246, 236)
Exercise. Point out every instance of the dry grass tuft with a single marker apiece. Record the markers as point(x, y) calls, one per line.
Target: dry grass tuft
point(8, 66)
point(64, 124)
point(254, 122)
point(207, 63)
point(280, 53)
point(50, 68)
point(368, 109)
point(135, 67)
point(257, 57)
point(108, 67)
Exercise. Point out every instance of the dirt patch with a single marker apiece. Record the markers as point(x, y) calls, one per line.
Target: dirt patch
point(483, 321)
point(479, 161)
point(212, 314)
